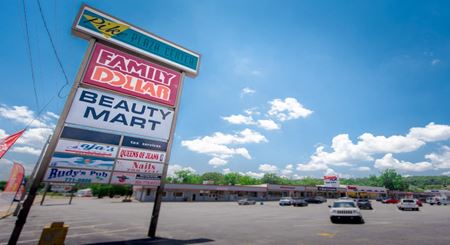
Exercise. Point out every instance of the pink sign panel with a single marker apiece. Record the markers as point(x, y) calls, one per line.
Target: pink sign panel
point(115, 70)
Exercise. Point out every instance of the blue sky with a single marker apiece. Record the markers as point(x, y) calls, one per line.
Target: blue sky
point(298, 88)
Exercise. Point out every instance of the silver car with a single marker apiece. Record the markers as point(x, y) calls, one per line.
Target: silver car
point(246, 202)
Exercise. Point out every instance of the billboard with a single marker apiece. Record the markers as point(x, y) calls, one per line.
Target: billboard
point(135, 179)
point(104, 110)
point(112, 69)
point(93, 23)
point(331, 181)
point(86, 148)
point(138, 167)
point(128, 153)
point(76, 161)
point(77, 176)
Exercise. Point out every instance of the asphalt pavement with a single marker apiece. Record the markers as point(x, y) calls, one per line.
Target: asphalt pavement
point(110, 221)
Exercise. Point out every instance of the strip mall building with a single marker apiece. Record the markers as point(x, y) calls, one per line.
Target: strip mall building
point(193, 192)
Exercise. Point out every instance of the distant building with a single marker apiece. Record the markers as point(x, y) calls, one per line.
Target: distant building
point(195, 192)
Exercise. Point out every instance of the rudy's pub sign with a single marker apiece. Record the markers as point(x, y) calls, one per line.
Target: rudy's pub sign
point(91, 22)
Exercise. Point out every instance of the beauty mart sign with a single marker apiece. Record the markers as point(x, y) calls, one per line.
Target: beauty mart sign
point(112, 69)
point(331, 181)
point(104, 110)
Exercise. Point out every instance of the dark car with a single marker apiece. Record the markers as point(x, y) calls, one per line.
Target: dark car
point(299, 203)
point(315, 200)
point(364, 204)
point(380, 199)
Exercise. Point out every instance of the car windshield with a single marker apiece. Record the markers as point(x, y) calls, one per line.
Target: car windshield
point(343, 205)
point(409, 201)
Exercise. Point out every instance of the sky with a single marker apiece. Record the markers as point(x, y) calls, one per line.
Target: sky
point(296, 88)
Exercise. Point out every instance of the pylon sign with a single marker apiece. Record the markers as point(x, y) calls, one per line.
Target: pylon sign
point(120, 117)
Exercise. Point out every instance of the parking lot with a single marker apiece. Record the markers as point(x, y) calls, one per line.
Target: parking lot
point(97, 221)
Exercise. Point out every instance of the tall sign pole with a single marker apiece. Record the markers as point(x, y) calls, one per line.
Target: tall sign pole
point(22, 217)
point(160, 189)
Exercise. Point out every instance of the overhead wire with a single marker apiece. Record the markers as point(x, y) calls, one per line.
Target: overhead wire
point(54, 51)
point(30, 57)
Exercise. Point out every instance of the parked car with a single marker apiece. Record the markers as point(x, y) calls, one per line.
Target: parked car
point(315, 200)
point(438, 200)
point(285, 201)
point(345, 210)
point(246, 201)
point(419, 203)
point(380, 199)
point(408, 204)
point(364, 204)
point(391, 201)
point(299, 203)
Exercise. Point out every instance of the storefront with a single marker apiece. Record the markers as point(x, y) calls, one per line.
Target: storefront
point(372, 192)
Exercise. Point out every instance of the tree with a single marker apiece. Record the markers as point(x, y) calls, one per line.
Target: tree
point(231, 178)
point(213, 176)
point(187, 177)
point(391, 180)
point(271, 179)
point(2, 185)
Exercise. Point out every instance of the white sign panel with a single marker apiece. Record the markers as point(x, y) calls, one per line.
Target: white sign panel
point(86, 148)
point(135, 179)
point(331, 181)
point(104, 110)
point(77, 176)
point(141, 155)
point(138, 167)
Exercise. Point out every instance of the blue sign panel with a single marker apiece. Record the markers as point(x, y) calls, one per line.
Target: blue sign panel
point(90, 135)
point(74, 161)
point(144, 143)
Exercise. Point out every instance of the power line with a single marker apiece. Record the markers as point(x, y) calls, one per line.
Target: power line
point(54, 50)
point(30, 57)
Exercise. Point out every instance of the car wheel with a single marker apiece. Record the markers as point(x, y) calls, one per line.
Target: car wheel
point(361, 221)
point(333, 220)
point(439, 203)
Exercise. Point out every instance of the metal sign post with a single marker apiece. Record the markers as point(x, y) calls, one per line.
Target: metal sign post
point(160, 189)
point(22, 217)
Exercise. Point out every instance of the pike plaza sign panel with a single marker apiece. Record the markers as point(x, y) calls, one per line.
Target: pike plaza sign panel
point(99, 109)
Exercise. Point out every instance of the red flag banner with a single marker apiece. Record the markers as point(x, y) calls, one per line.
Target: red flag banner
point(7, 142)
point(11, 188)
point(15, 179)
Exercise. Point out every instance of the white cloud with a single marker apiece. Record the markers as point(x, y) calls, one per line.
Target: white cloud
point(246, 91)
point(446, 173)
point(226, 170)
point(287, 109)
point(173, 168)
point(217, 144)
point(435, 61)
point(287, 171)
point(22, 115)
point(52, 115)
point(431, 133)
point(363, 169)
point(3, 134)
point(389, 162)
point(344, 152)
point(253, 174)
point(268, 124)
point(35, 136)
point(267, 168)
point(217, 162)
point(440, 160)
point(252, 111)
point(26, 150)
point(311, 166)
point(239, 119)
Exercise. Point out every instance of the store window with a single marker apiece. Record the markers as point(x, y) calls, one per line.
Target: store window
point(178, 194)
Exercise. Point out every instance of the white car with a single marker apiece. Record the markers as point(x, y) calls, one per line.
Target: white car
point(345, 210)
point(438, 200)
point(408, 204)
point(285, 201)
